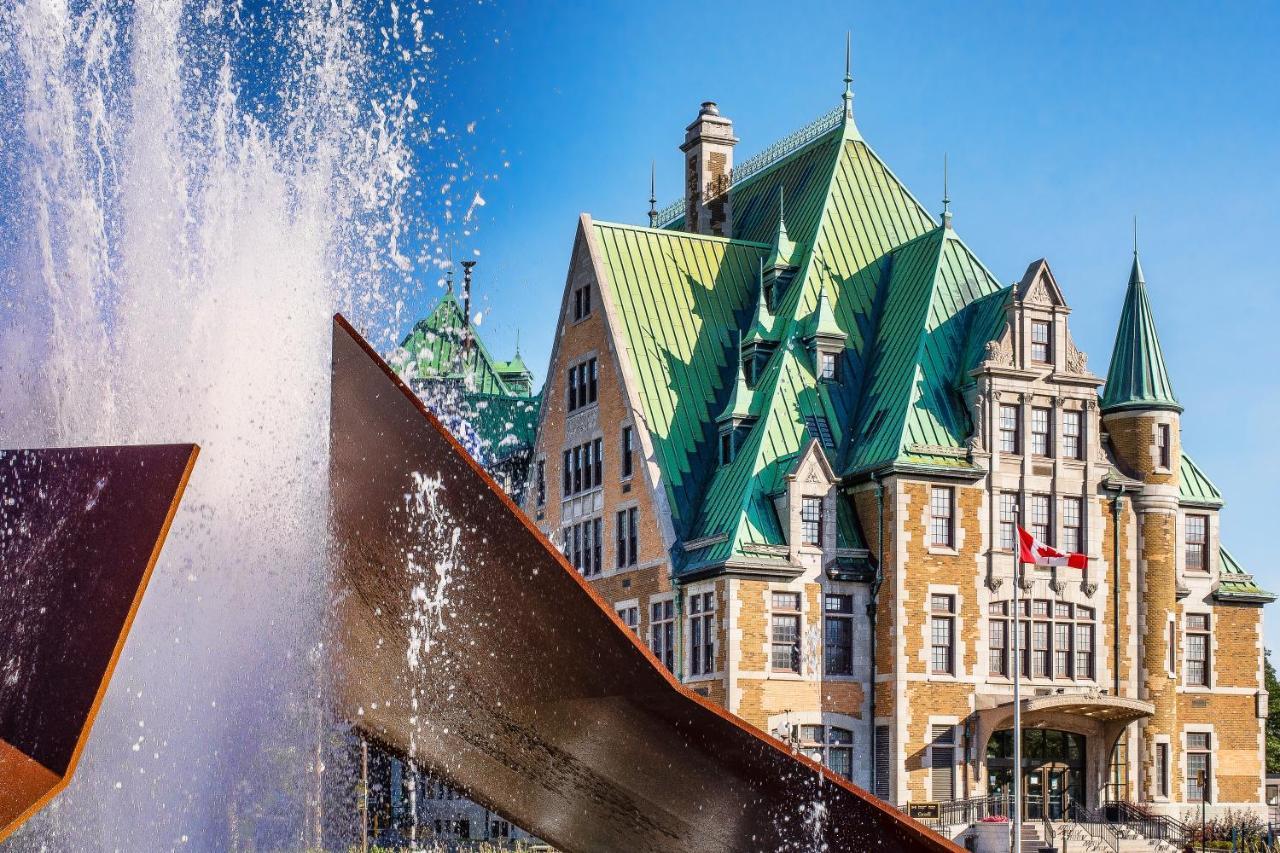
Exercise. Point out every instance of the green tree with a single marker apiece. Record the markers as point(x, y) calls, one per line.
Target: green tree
point(1273, 714)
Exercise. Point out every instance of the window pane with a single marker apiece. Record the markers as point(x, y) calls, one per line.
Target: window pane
point(940, 527)
point(1008, 519)
point(811, 521)
point(1008, 429)
point(1071, 435)
point(1040, 431)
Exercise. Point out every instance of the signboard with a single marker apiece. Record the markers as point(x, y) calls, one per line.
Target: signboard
point(924, 811)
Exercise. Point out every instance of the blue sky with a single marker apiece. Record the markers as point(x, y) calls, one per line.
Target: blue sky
point(1061, 121)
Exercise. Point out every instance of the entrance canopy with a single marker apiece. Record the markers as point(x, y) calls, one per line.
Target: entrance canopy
point(468, 644)
point(1090, 712)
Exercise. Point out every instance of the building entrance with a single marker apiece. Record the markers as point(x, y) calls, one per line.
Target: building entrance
point(1053, 769)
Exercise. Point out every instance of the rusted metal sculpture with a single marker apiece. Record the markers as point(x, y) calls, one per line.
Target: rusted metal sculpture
point(80, 531)
point(515, 680)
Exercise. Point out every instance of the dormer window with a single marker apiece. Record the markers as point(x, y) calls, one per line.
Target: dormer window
point(828, 366)
point(726, 446)
point(768, 293)
point(1040, 349)
point(811, 522)
point(819, 429)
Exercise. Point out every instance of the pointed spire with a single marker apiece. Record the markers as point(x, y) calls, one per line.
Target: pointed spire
point(761, 326)
point(1138, 377)
point(784, 248)
point(653, 194)
point(822, 322)
point(848, 76)
point(946, 195)
point(738, 406)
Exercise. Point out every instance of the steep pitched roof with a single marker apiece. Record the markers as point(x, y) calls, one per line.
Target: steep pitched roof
point(433, 350)
point(1235, 584)
point(1138, 378)
point(1195, 487)
point(503, 424)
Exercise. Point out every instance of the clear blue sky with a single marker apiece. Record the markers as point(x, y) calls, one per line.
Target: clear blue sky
point(1061, 121)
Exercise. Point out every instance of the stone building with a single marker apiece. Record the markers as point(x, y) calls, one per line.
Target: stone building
point(788, 429)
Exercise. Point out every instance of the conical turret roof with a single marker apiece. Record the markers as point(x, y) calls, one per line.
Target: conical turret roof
point(1138, 378)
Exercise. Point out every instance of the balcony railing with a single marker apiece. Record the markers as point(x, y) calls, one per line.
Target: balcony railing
point(757, 163)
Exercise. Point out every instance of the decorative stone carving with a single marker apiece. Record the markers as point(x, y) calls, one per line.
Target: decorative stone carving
point(1077, 361)
point(994, 583)
point(1059, 586)
point(999, 353)
point(1039, 293)
point(1028, 582)
point(1088, 588)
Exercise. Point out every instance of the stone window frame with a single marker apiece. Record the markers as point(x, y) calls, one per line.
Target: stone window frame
point(786, 727)
point(700, 590)
point(1046, 433)
point(623, 607)
point(582, 307)
point(1079, 416)
point(956, 616)
point(626, 451)
point(1081, 513)
point(953, 522)
point(1206, 570)
point(1210, 657)
point(1163, 776)
point(1212, 780)
point(572, 405)
point(851, 617)
point(1171, 650)
point(957, 753)
point(668, 647)
point(621, 510)
point(1033, 324)
point(801, 615)
point(1002, 431)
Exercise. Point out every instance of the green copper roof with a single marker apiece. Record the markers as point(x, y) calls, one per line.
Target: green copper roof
point(433, 350)
point(1235, 584)
point(783, 254)
point(822, 322)
point(1138, 378)
point(503, 423)
point(739, 407)
point(761, 330)
point(1195, 487)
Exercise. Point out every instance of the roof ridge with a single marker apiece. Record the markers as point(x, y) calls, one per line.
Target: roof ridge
point(670, 232)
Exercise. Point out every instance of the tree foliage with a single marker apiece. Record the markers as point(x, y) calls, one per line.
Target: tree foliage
point(1273, 715)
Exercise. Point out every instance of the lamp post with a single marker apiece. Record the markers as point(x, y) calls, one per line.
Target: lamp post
point(1017, 698)
point(1202, 781)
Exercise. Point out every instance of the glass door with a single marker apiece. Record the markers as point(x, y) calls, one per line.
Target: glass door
point(1033, 805)
point(1056, 788)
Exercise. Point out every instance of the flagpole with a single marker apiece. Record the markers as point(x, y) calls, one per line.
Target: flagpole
point(1017, 699)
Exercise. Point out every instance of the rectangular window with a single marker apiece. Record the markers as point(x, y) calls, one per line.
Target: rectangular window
point(568, 473)
point(942, 634)
point(1198, 767)
point(829, 366)
point(1040, 431)
point(1071, 444)
point(1009, 429)
point(1171, 663)
point(702, 633)
point(542, 482)
point(819, 429)
point(1197, 543)
point(811, 521)
point(583, 546)
point(942, 760)
point(1163, 445)
point(1061, 649)
point(584, 467)
point(1008, 520)
point(726, 447)
point(1162, 769)
point(1040, 350)
point(625, 544)
point(598, 458)
point(941, 526)
point(1084, 651)
point(1039, 649)
point(662, 632)
point(582, 384)
point(1040, 528)
point(630, 616)
point(785, 627)
point(998, 661)
point(1072, 541)
point(627, 457)
point(1198, 649)
point(838, 635)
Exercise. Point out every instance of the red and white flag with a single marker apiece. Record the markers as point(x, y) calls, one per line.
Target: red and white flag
point(1036, 552)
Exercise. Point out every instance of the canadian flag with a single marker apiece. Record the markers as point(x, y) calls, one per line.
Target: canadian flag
point(1040, 554)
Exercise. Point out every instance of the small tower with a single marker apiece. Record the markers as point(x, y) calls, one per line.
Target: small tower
point(781, 265)
point(737, 417)
point(708, 152)
point(760, 341)
point(1141, 416)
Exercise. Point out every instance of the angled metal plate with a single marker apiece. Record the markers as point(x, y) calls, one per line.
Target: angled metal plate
point(80, 531)
point(533, 697)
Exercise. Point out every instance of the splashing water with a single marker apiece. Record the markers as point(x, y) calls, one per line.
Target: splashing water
point(188, 190)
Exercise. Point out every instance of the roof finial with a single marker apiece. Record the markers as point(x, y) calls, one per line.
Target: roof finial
point(517, 341)
point(1135, 235)
point(946, 194)
point(848, 77)
point(782, 208)
point(653, 194)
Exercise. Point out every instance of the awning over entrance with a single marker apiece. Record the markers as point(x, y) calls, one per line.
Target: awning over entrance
point(1098, 707)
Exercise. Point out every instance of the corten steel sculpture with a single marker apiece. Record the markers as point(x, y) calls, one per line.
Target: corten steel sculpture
point(527, 692)
point(80, 531)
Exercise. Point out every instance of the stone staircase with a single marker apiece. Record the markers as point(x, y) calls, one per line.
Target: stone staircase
point(1074, 838)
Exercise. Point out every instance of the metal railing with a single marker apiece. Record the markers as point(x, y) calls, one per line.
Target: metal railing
point(757, 163)
point(1093, 822)
point(1154, 827)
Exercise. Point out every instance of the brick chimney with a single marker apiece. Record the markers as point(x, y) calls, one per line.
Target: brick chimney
point(708, 160)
